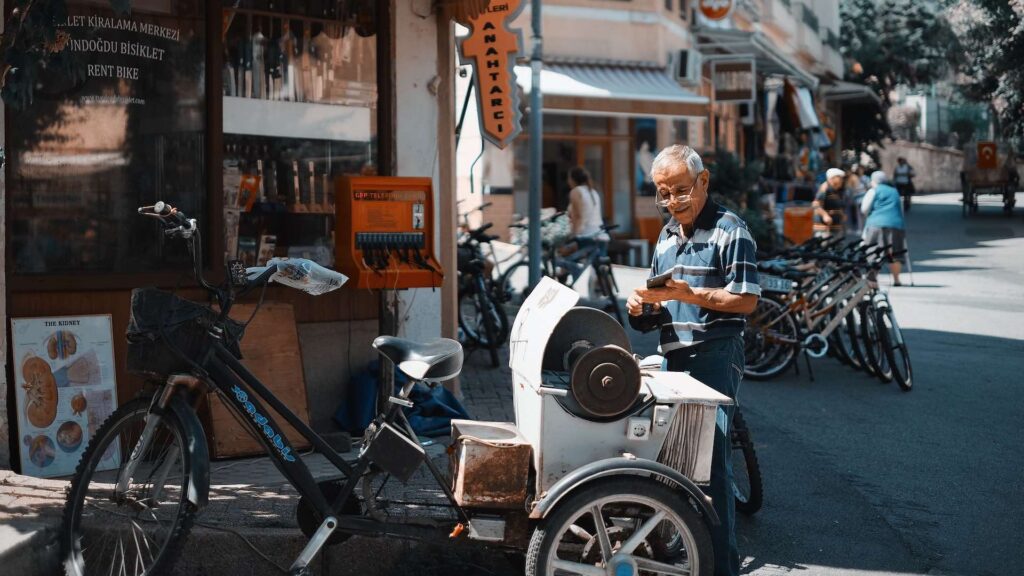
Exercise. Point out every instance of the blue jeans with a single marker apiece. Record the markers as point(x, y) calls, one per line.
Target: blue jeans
point(719, 364)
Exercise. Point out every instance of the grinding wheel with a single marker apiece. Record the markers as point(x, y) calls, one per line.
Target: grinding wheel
point(605, 381)
point(581, 328)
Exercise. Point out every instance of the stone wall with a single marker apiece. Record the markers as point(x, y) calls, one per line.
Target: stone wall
point(937, 169)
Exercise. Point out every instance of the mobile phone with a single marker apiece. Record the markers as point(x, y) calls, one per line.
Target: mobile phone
point(660, 280)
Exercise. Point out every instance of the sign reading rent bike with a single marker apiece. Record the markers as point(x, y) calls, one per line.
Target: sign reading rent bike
point(491, 48)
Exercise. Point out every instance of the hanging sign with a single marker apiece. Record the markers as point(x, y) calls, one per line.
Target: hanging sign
point(491, 48)
point(988, 156)
point(734, 80)
point(715, 9)
point(65, 388)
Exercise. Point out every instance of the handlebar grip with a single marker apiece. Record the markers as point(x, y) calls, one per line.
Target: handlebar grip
point(486, 226)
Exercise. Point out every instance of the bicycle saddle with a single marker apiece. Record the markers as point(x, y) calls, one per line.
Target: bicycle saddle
point(434, 361)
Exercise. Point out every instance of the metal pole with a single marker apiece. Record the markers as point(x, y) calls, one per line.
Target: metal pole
point(536, 142)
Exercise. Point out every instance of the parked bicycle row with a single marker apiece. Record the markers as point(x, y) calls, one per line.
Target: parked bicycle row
point(489, 280)
point(822, 298)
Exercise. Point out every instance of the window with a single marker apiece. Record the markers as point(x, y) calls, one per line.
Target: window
point(683, 9)
point(300, 102)
point(121, 127)
point(810, 18)
point(668, 5)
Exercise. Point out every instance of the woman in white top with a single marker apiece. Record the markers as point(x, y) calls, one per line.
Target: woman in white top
point(585, 207)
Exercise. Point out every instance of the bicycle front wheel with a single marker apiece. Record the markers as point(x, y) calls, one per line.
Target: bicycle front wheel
point(873, 347)
point(895, 348)
point(139, 531)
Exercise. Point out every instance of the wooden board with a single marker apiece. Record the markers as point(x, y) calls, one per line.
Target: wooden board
point(270, 350)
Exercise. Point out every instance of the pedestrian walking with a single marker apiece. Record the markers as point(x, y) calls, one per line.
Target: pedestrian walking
point(830, 205)
point(884, 224)
point(856, 187)
point(701, 310)
point(903, 178)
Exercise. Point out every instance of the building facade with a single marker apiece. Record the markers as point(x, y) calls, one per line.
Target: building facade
point(244, 115)
point(623, 79)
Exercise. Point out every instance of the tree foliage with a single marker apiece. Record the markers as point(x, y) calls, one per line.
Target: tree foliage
point(992, 33)
point(34, 43)
point(887, 43)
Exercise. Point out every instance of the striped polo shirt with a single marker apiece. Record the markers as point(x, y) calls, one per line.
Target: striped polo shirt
point(721, 254)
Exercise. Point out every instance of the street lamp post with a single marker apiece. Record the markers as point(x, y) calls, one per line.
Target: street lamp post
point(536, 143)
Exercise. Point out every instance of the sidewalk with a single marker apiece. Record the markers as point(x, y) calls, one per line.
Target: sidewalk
point(252, 507)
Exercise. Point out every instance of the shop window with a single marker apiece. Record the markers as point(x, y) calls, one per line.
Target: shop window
point(593, 125)
point(300, 111)
point(118, 124)
point(559, 124)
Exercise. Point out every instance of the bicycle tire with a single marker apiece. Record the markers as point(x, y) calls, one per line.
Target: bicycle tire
point(750, 502)
point(471, 320)
point(852, 327)
point(763, 333)
point(873, 347)
point(517, 274)
point(895, 349)
point(836, 345)
point(606, 283)
point(490, 310)
point(72, 536)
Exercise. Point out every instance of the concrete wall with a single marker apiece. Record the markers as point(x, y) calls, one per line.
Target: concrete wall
point(937, 169)
point(333, 352)
point(416, 139)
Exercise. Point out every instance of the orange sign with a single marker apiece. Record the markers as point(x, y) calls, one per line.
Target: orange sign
point(715, 9)
point(988, 156)
point(490, 48)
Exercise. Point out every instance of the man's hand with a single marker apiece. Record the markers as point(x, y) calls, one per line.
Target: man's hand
point(672, 290)
point(826, 219)
point(635, 303)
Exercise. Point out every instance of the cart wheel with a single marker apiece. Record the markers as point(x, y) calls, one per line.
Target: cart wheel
point(622, 525)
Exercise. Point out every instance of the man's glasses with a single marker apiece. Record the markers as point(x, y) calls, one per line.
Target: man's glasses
point(667, 195)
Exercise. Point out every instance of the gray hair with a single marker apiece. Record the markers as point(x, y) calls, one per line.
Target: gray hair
point(678, 154)
point(879, 177)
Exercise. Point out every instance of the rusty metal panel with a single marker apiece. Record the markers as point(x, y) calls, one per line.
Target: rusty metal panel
point(490, 465)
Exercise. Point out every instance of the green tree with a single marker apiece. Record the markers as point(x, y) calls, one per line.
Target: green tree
point(33, 44)
point(992, 33)
point(887, 43)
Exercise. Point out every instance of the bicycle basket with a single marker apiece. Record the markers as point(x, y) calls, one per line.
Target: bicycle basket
point(184, 324)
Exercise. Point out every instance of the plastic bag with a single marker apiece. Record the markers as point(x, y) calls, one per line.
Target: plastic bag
point(301, 274)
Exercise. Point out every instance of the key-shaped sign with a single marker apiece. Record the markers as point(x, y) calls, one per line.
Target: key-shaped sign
point(491, 48)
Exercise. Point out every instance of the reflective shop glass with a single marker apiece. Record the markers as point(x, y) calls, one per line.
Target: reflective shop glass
point(117, 122)
point(300, 111)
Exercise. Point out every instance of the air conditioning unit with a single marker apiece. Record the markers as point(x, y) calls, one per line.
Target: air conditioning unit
point(686, 66)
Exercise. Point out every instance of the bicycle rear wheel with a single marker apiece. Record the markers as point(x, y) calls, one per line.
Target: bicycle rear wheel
point(474, 310)
point(138, 532)
point(895, 348)
point(770, 340)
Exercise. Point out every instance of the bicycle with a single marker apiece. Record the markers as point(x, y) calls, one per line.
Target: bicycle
point(839, 303)
point(482, 316)
point(568, 269)
point(133, 519)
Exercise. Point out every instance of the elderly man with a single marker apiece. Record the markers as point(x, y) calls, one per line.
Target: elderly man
point(829, 205)
point(700, 311)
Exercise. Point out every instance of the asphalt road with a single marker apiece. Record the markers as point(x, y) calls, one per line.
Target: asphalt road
point(861, 478)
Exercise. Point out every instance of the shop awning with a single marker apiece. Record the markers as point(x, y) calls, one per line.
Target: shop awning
point(609, 89)
point(851, 92)
point(716, 43)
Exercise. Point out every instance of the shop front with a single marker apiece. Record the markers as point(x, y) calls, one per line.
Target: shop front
point(611, 119)
point(245, 115)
